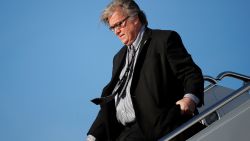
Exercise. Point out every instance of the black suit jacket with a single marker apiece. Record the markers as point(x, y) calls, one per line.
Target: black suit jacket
point(163, 74)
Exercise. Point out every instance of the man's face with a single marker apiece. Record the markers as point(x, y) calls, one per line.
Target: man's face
point(125, 28)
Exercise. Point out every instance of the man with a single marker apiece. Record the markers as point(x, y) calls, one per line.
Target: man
point(155, 84)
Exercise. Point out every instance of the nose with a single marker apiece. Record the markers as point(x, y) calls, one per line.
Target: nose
point(117, 30)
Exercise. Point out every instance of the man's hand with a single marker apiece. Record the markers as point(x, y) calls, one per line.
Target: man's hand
point(187, 106)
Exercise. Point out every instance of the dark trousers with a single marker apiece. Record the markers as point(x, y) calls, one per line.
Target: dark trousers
point(131, 133)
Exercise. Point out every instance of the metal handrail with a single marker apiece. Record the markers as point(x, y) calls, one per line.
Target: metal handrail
point(242, 77)
point(205, 113)
point(210, 79)
point(224, 74)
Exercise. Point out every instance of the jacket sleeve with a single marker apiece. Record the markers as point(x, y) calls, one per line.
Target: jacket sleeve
point(98, 128)
point(184, 67)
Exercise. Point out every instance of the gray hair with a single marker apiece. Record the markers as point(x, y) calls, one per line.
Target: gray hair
point(129, 8)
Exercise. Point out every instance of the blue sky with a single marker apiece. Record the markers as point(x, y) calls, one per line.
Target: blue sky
point(55, 56)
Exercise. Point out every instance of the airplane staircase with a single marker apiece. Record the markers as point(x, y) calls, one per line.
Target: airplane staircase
point(226, 111)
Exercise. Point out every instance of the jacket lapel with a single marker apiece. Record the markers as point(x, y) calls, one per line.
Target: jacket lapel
point(117, 67)
point(140, 59)
point(119, 62)
point(145, 38)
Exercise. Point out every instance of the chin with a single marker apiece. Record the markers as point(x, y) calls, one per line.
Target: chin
point(125, 42)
